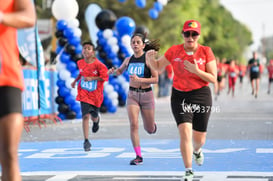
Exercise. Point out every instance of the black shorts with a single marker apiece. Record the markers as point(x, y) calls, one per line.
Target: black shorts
point(219, 78)
point(193, 107)
point(10, 100)
point(89, 109)
point(254, 75)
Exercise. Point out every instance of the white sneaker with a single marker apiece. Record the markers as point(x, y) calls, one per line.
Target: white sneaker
point(188, 176)
point(198, 157)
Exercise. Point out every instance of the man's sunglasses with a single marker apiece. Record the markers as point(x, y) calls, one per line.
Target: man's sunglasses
point(187, 34)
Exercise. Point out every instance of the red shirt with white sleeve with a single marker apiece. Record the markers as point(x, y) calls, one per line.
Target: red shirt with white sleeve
point(91, 92)
point(184, 80)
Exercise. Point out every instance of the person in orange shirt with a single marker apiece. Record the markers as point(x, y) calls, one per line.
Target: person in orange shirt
point(194, 67)
point(270, 75)
point(14, 14)
point(93, 74)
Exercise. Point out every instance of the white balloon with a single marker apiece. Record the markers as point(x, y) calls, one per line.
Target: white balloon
point(112, 41)
point(163, 2)
point(73, 23)
point(68, 82)
point(65, 10)
point(125, 39)
point(115, 102)
point(74, 92)
point(121, 79)
point(115, 48)
point(107, 33)
point(113, 95)
point(60, 66)
point(64, 74)
point(125, 85)
point(108, 88)
point(77, 32)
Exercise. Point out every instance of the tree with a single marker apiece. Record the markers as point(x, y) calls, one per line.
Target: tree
point(226, 36)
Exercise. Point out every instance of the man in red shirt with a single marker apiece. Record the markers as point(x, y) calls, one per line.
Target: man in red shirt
point(194, 68)
point(14, 14)
point(92, 76)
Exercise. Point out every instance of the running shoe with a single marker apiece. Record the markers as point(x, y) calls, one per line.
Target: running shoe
point(188, 175)
point(198, 157)
point(87, 145)
point(137, 161)
point(96, 126)
point(154, 129)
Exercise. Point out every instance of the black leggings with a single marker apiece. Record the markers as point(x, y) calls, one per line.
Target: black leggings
point(193, 107)
point(10, 100)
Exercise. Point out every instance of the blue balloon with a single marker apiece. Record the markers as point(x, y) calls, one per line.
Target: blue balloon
point(68, 99)
point(123, 96)
point(158, 6)
point(65, 58)
point(107, 101)
point(76, 108)
point(100, 34)
point(112, 109)
point(115, 61)
point(79, 115)
point(64, 92)
point(107, 49)
point(71, 66)
point(68, 33)
point(74, 40)
point(117, 88)
point(125, 26)
point(102, 42)
point(140, 3)
point(62, 116)
point(61, 25)
point(60, 83)
point(78, 49)
point(75, 73)
point(59, 49)
point(122, 1)
point(153, 13)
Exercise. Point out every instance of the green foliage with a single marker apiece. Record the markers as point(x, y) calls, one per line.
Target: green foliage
point(226, 36)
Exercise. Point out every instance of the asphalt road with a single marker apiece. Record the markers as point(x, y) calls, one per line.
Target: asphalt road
point(242, 117)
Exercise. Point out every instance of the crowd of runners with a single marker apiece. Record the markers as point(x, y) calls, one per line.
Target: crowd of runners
point(229, 70)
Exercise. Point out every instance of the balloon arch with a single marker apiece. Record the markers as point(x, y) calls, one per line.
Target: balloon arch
point(112, 39)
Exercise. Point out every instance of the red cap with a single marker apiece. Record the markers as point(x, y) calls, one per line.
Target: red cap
point(192, 25)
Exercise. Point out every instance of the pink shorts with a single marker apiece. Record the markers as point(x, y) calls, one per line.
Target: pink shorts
point(144, 99)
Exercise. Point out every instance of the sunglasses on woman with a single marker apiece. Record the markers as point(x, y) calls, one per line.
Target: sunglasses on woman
point(187, 34)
